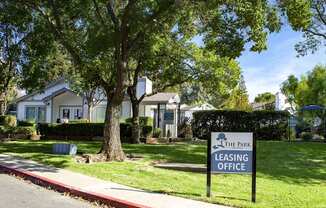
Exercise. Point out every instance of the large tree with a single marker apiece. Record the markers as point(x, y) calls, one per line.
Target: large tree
point(309, 89)
point(315, 35)
point(102, 37)
point(239, 99)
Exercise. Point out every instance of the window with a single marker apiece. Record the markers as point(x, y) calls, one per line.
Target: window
point(35, 113)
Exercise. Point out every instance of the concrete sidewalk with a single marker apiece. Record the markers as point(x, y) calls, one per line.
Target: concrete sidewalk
point(91, 187)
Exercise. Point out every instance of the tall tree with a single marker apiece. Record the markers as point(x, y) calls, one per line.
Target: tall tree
point(239, 99)
point(13, 35)
point(102, 37)
point(310, 89)
point(315, 34)
point(289, 88)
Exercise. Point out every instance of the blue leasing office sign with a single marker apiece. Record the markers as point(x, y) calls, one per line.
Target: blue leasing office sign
point(231, 152)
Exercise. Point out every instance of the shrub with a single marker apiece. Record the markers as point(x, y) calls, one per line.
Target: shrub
point(157, 133)
point(147, 131)
point(2, 130)
point(266, 125)
point(9, 121)
point(26, 130)
point(80, 131)
point(2, 120)
point(25, 123)
point(143, 121)
point(306, 136)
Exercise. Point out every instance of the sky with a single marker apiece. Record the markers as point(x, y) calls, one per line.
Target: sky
point(265, 71)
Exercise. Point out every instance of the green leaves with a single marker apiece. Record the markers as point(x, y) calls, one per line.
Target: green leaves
point(310, 89)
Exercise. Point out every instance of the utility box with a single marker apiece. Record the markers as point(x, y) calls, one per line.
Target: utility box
point(64, 149)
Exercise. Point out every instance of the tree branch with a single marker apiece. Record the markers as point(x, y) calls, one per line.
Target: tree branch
point(321, 15)
point(98, 13)
point(316, 33)
point(113, 16)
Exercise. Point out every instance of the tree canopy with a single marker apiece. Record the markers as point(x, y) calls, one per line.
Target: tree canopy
point(315, 34)
point(266, 97)
point(104, 39)
point(310, 89)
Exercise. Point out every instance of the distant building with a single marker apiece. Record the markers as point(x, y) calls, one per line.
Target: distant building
point(281, 103)
point(186, 111)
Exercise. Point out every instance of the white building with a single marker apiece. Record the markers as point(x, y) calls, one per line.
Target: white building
point(186, 111)
point(57, 102)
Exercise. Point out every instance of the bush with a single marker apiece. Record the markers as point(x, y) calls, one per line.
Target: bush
point(266, 125)
point(80, 131)
point(8, 121)
point(26, 130)
point(306, 136)
point(3, 130)
point(2, 120)
point(143, 121)
point(147, 131)
point(157, 133)
point(25, 123)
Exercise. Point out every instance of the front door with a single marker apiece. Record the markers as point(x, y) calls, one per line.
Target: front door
point(71, 112)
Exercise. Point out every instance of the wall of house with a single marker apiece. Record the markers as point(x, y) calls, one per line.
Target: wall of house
point(144, 85)
point(21, 115)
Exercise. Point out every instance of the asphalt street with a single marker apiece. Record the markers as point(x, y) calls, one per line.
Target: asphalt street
point(16, 193)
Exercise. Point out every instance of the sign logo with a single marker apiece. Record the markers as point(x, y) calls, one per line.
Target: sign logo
point(231, 152)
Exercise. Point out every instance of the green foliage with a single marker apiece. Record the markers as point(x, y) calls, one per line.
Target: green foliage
point(26, 130)
point(310, 89)
point(143, 121)
point(9, 121)
point(265, 97)
point(157, 133)
point(79, 121)
point(266, 125)
point(238, 99)
point(25, 123)
point(2, 119)
point(2, 129)
point(315, 35)
point(306, 136)
point(147, 131)
point(80, 131)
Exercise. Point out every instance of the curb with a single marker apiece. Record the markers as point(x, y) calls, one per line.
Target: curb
point(60, 187)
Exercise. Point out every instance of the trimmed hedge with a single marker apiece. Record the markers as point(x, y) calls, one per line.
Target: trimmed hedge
point(25, 123)
point(80, 131)
point(266, 125)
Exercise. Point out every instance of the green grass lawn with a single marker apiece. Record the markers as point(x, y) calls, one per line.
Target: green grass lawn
point(288, 174)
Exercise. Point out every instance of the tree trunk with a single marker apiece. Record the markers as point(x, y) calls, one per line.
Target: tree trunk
point(111, 147)
point(135, 123)
point(89, 113)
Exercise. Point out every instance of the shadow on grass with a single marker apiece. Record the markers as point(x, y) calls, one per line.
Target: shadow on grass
point(299, 163)
point(292, 162)
point(177, 153)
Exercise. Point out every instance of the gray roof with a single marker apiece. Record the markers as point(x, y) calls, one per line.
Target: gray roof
point(56, 93)
point(162, 97)
point(39, 91)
